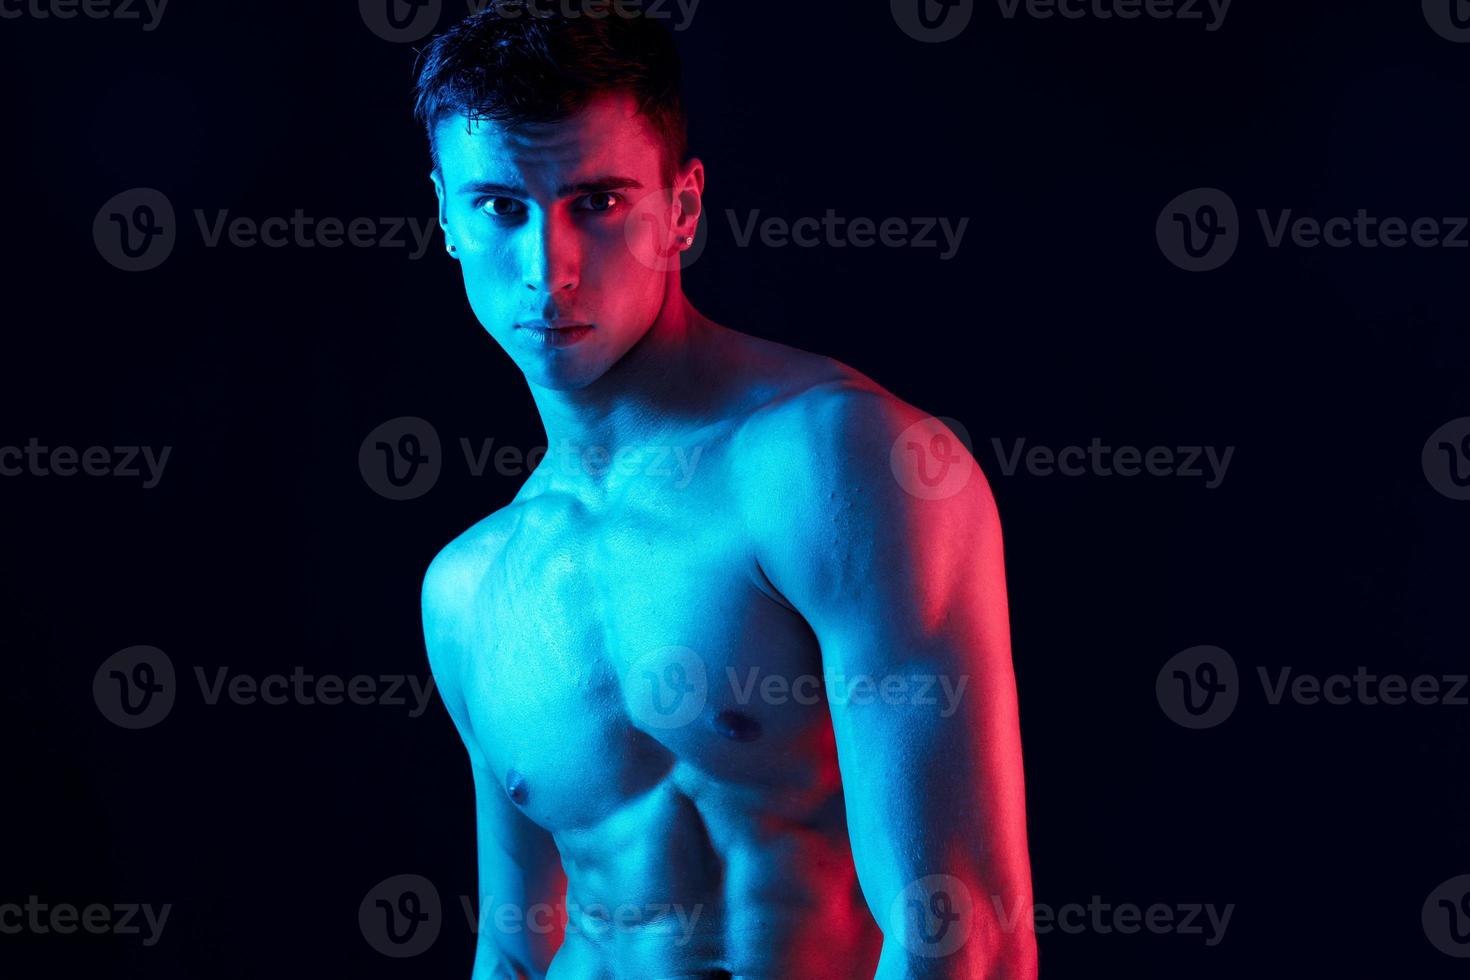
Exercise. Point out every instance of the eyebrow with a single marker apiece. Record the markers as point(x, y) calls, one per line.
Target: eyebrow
point(596, 185)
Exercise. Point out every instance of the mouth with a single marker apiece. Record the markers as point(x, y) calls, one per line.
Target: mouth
point(553, 333)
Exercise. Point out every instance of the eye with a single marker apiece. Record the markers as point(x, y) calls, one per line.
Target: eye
point(601, 201)
point(502, 207)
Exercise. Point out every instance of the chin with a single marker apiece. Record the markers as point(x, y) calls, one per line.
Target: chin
point(562, 373)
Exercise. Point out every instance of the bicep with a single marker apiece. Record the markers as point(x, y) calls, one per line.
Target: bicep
point(905, 592)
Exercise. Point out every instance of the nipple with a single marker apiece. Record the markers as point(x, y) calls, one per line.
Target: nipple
point(736, 726)
point(515, 787)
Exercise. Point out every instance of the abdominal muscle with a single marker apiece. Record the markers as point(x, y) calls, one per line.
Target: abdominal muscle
point(701, 884)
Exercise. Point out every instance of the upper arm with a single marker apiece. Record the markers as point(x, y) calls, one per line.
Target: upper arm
point(519, 866)
point(901, 577)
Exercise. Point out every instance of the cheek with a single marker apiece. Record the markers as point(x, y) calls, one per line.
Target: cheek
point(613, 273)
point(491, 281)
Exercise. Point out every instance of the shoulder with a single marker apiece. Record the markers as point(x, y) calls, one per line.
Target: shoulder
point(844, 452)
point(792, 392)
point(452, 584)
point(455, 572)
point(833, 422)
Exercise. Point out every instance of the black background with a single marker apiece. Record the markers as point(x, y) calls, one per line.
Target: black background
point(263, 548)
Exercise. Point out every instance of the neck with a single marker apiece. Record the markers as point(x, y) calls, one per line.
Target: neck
point(644, 396)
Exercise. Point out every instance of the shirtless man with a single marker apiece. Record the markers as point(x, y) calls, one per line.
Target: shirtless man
point(733, 667)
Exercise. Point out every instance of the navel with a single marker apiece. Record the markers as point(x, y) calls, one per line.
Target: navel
point(736, 726)
point(516, 788)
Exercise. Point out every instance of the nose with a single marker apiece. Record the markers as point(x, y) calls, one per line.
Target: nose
point(551, 259)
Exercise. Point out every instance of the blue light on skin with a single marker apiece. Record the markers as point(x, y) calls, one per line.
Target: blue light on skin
point(541, 234)
point(537, 216)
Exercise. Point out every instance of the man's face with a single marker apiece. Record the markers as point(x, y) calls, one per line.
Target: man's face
point(540, 219)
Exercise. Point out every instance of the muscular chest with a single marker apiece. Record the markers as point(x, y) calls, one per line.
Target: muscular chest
point(614, 647)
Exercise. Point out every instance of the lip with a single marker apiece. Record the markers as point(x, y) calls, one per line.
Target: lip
point(554, 333)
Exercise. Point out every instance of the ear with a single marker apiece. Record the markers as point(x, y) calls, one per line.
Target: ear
point(438, 180)
point(688, 197)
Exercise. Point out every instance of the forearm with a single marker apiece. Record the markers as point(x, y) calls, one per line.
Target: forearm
point(493, 963)
point(517, 938)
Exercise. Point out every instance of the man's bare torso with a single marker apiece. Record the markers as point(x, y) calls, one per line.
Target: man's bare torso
point(640, 691)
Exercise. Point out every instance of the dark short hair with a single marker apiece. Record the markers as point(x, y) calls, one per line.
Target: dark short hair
point(510, 62)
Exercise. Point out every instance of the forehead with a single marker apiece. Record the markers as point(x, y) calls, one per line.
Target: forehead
point(607, 136)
